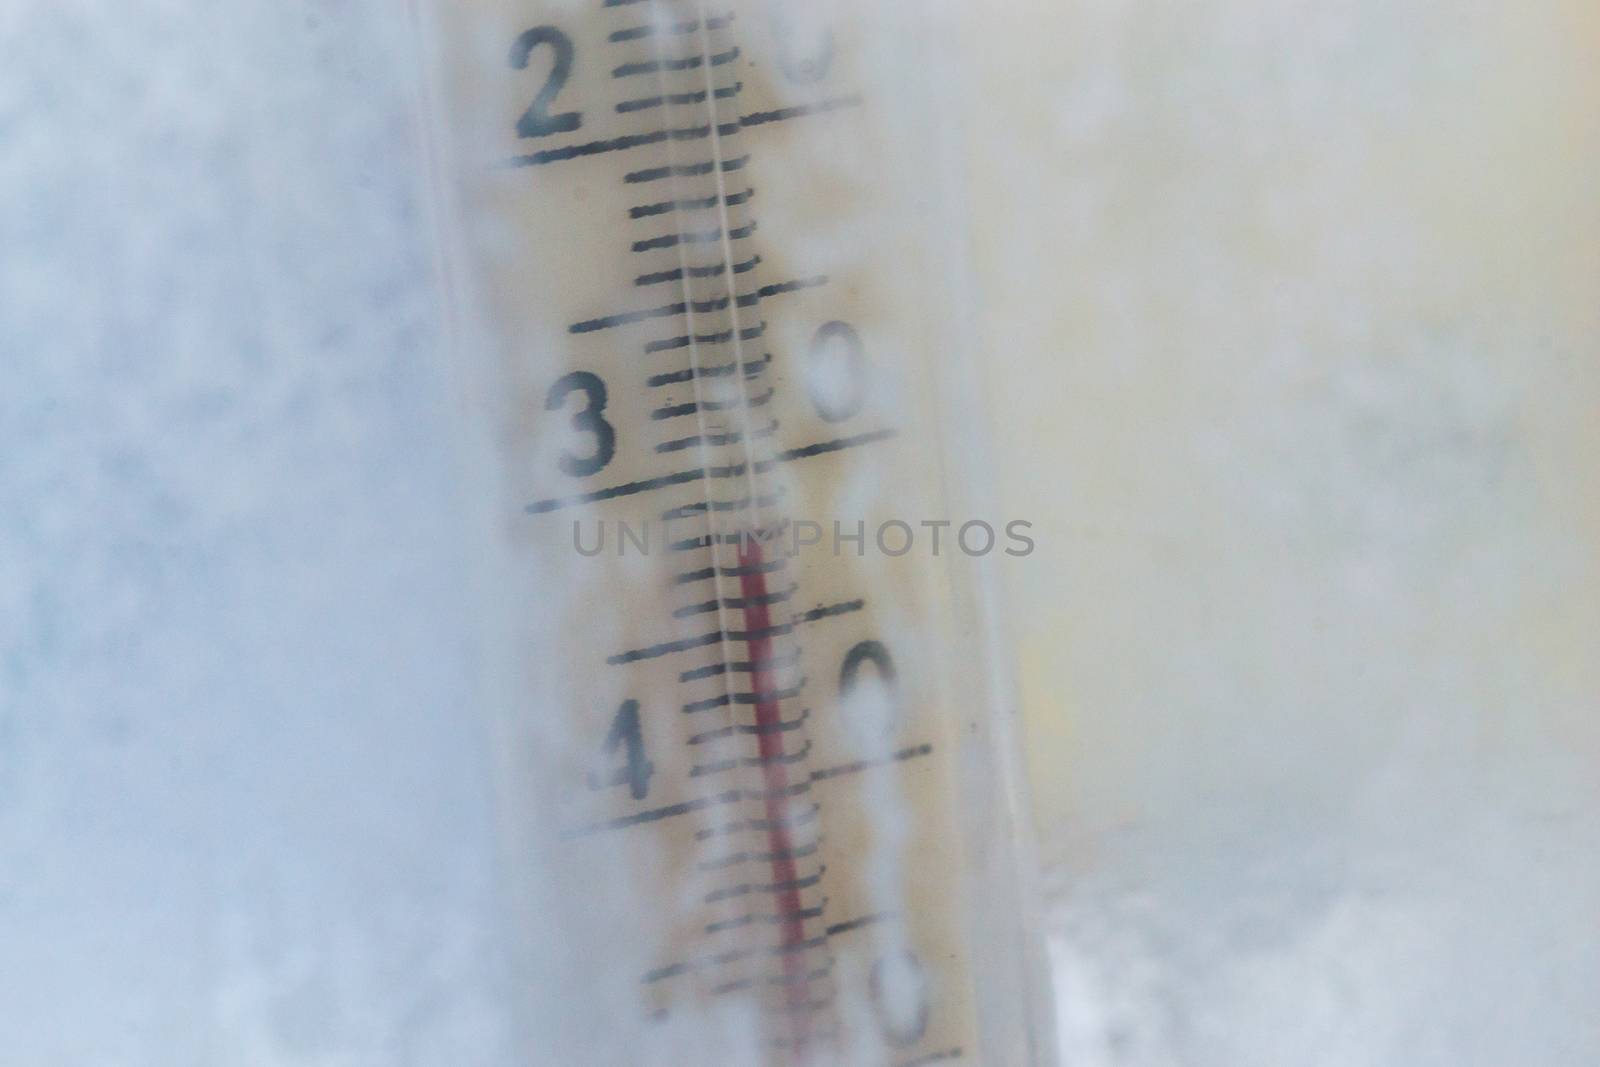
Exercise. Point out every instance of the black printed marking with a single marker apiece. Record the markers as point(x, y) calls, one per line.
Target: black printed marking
point(721, 337)
point(751, 761)
point(710, 270)
point(592, 148)
point(700, 507)
point(767, 918)
point(720, 701)
point(627, 318)
point(694, 544)
point(686, 170)
point(855, 924)
point(635, 33)
point(766, 567)
point(733, 437)
point(704, 769)
point(751, 369)
point(700, 237)
point(781, 726)
point(735, 470)
point(721, 959)
point(868, 764)
point(666, 648)
point(736, 603)
point(657, 66)
point(732, 796)
point(831, 610)
point(784, 114)
point(755, 887)
point(761, 825)
point(837, 445)
point(762, 535)
point(646, 103)
point(675, 411)
point(643, 211)
point(645, 485)
point(673, 240)
point(779, 792)
point(796, 285)
point(723, 699)
point(776, 663)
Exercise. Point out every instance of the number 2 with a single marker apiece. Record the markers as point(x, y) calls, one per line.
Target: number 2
point(537, 120)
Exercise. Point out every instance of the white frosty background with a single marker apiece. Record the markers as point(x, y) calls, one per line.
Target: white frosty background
point(242, 814)
point(1312, 639)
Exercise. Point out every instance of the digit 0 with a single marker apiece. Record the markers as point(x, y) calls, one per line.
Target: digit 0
point(899, 989)
point(861, 654)
point(836, 374)
point(800, 68)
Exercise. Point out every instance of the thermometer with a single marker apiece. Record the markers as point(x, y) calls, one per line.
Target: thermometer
point(755, 749)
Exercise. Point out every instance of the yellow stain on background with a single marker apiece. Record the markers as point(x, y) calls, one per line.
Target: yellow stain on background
point(1294, 310)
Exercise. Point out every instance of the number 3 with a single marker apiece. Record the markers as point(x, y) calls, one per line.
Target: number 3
point(588, 420)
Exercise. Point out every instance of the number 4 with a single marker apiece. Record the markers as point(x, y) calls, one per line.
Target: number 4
point(635, 774)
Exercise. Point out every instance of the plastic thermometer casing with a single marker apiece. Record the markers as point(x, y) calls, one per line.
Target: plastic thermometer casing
point(718, 401)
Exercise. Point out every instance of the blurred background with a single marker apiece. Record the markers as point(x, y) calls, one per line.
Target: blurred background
point(1297, 307)
point(1301, 302)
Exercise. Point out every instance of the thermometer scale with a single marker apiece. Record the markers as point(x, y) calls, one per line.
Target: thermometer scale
point(756, 767)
